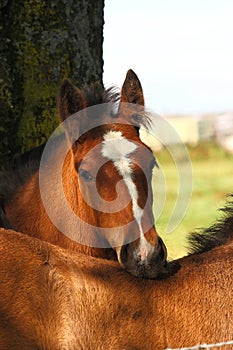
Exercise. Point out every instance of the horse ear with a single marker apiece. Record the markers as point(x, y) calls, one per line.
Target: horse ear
point(131, 91)
point(70, 100)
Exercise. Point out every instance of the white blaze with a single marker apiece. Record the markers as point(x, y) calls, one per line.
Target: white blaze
point(117, 148)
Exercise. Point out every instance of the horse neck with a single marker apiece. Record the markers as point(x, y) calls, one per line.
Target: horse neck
point(25, 211)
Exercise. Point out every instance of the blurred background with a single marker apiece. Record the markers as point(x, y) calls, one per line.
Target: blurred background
point(182, 51)
point(183, 54)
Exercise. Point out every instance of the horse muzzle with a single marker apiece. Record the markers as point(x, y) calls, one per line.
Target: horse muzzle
point(142, 259)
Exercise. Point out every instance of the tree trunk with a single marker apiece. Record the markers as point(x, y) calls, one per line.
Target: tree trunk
point(41, 42)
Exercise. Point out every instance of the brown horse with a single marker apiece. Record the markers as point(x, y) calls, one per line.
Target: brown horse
point(91, 190)
point(53, 299)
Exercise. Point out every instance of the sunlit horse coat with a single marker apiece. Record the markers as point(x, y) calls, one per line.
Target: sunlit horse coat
point(53, 299)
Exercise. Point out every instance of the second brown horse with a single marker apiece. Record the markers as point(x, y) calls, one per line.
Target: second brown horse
point(54, 299)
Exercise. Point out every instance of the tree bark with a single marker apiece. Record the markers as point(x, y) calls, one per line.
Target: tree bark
point(41, 42)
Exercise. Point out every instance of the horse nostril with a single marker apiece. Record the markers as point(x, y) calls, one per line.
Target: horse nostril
point(128, 255)
point(162, 249)
point(123, 254)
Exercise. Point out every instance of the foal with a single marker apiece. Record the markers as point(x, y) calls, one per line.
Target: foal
point(89, 190)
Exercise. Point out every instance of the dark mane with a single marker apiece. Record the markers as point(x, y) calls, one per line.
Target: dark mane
point(19, 170)
point(95, 94)
point(216, 235)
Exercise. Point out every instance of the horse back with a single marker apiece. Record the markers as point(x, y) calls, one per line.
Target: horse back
point(33, 314)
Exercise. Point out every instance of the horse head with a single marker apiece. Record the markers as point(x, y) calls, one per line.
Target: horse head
point(112, 171)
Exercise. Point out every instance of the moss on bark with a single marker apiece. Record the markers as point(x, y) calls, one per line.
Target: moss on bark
point(41, 42)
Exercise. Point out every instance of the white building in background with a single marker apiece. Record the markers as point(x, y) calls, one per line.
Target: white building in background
point(187, 128)
point(206, 126)
point(224, 130)
point(197, 128)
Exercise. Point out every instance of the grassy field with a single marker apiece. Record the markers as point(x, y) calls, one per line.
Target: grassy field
point(212, 181)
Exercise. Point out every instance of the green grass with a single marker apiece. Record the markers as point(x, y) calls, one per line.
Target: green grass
point(212, 181)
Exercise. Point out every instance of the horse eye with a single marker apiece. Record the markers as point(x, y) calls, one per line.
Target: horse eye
point(85, 175)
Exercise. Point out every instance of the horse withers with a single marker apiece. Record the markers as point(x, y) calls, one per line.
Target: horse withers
point(90, 190)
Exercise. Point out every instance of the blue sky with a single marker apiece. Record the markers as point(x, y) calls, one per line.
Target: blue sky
point(182, 51)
